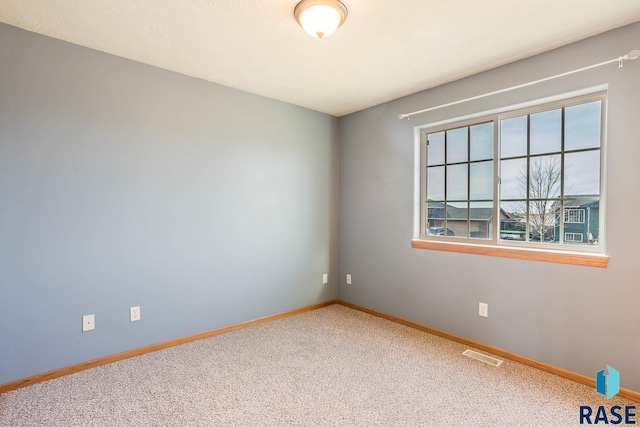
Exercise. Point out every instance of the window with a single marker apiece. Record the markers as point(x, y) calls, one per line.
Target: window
point(573, 215)
point(460, 182)
point(527, 178)
point(573, 237)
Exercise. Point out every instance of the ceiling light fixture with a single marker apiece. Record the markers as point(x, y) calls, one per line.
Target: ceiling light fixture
point(320, 18)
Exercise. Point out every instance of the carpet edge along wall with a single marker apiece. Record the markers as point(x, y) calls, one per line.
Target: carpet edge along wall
point(45, 376)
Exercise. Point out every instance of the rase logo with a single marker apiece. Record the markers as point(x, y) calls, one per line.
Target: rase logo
point(608, 384)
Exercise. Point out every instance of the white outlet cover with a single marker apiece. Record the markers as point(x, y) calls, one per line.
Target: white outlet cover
point(88, 322)
point(325, 279)
point(483, 309)
point(134, 313)
point(348, 279)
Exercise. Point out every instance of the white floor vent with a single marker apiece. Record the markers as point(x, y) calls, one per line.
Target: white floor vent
point(482, 357)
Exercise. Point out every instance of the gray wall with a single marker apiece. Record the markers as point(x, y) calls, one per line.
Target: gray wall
point(578, 318)
point(123, 184)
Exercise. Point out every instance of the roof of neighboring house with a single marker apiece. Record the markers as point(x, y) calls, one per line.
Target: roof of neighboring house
point(436, 211)
point(581, 203)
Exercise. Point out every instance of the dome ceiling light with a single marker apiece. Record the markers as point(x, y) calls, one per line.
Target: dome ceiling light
point(320, 18)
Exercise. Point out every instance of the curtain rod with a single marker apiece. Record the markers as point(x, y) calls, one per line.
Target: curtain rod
point(634, 54)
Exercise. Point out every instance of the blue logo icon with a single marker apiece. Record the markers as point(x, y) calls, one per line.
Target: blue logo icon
point(608, 384)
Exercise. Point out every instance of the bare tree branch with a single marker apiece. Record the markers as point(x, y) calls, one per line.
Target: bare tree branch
point(542, 185)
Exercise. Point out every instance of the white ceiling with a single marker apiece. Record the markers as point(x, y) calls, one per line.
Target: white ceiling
point(385, 49)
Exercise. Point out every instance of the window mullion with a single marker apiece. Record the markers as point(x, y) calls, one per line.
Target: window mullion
point(424, 150)
point(496, 180)
point(562, 198)
point(445, 221)
point(468, 182)
point(528, 186)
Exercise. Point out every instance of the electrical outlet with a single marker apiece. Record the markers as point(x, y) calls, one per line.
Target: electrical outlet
point(325, 279)
point(483, 309)
point(88, 322)
point(134, 313)
point(348, 279)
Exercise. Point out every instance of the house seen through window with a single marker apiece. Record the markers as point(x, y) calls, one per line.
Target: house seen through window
point(529, 177)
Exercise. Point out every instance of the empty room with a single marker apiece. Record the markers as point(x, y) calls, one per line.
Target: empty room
point(319, 212)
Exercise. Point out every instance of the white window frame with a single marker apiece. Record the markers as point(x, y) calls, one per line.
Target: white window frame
point(570, 219)
point(496, 118)
point(570, 237)
point(466, 123)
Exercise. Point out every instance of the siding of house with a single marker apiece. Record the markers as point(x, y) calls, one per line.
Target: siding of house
point(590, 226)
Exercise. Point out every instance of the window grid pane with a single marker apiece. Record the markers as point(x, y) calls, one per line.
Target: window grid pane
point(573, 237)
point(459, 168)
point(552, 173)
point(549, 183)
point(574, 215)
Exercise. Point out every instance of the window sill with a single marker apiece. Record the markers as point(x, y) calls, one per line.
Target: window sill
point(590, 260)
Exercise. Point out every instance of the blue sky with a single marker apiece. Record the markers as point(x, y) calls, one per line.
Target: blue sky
point(582, 169)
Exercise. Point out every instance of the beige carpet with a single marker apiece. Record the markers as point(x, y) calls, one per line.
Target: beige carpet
point(333, 366)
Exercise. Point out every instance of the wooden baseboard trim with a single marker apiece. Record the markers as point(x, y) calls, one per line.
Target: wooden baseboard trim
point(582, 379)
point(56, 373)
